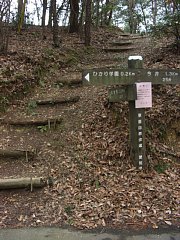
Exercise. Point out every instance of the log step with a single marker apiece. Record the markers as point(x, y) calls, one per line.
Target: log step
point(70, 80)
point(7, 81)
point(121, 43)
point(53, 101)
point(124, 34)
point(36, 122)
point(27, 182)
point(119, 49)
point(8, 153)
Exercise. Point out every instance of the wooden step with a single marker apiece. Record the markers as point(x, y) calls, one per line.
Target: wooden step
point(118, 49)
point(53, 101)
point(28, 182)
point(9, 153)
point(121, 43)
point(124, 34)
point(7, 81)
point(70, 80)
point(37, 122)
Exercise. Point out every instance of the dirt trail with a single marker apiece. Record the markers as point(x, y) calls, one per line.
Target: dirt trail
point(86, 157)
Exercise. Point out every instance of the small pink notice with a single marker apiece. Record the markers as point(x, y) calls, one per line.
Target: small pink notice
point(144, 95)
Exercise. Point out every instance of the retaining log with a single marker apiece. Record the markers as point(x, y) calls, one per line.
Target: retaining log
point(119, 49)
point(36, 122)
point(22, 183)
point(9, 153)
point(53, 101)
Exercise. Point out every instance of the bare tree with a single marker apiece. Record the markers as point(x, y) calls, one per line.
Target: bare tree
point(44, 17)
point(4, 25)
point(74, 16)
point(21, 13)
point(56, 40)
point(44, 13)
point(154, 11)
point(88, 21)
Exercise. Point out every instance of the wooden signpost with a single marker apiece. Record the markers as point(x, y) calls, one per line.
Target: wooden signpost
point(133, 85)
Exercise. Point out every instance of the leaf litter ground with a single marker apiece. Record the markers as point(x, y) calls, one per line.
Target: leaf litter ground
point(87, 156)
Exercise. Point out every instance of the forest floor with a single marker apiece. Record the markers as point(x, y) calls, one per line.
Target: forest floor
point(91, 180)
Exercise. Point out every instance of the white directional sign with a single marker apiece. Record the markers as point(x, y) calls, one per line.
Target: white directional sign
point(130, 76)
point(87, 77)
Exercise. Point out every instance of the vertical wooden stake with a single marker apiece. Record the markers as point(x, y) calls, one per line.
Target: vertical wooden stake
point(137, 124)
point(49, 123)
point(27, 156)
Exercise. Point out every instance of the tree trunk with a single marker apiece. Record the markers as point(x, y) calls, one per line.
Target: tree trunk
point(144, 15)
point(88, 23)
point(21, 16)
point(20, 7)
point(132, 20)
point(43, 24)
point(154, 11)
point(110, 17)
point(4, 26)
point(56, 41)
point(37, 10)
point(97, 13)
point(44, 13)
point(81, 19)
point(50, 14)
point(74, 15)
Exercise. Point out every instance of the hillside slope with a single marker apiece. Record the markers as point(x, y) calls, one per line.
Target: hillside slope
point(85, 156)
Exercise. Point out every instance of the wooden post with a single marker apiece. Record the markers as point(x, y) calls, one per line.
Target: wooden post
point(131, 77)
point(137, 124)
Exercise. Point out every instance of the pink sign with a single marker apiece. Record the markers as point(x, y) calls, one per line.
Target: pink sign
point(144, 95)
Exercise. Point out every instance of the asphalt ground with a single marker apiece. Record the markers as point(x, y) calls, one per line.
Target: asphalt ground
point(69, 234)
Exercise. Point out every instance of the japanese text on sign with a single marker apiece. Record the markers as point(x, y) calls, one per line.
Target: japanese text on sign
point(113, 74)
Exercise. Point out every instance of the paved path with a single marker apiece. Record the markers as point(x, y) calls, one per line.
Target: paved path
point(65, 234)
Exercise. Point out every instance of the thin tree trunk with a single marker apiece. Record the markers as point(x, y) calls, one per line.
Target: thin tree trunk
point(88, 23)
point(4, 26)
point(154, 11)
point(21, 17)
point(37, 10)
point(56, 41)
point(110, 17)
point(44, 13)
point(20, 7)
point(81, 27)
point(50, 14)
point(65, 19)
point(43, 24)
point(97, 13)
point(106, 12)
point(144, 16)
point(74, 15)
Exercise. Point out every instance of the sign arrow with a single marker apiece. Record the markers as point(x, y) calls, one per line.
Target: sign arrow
point(87, 77)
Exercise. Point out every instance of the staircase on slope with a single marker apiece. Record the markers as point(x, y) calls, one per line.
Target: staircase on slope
point(21, 132)
point(124, 43)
